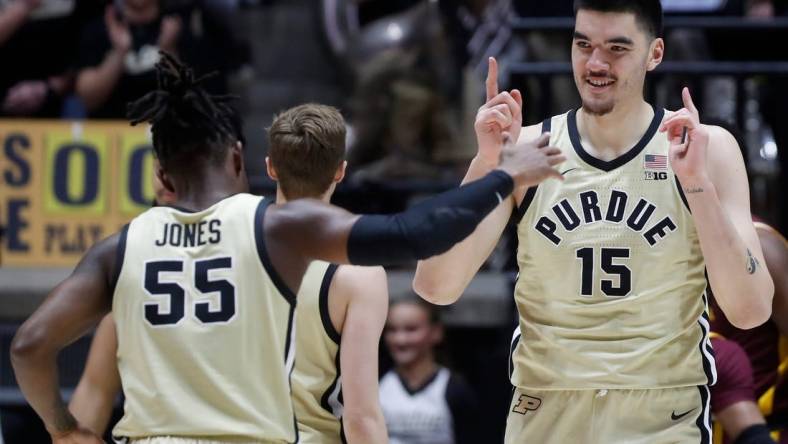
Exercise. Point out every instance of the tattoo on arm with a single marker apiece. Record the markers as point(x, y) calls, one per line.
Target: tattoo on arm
point(752, 262)
point(693, 190)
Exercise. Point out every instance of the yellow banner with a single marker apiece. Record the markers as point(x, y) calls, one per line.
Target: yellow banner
point(66, 185)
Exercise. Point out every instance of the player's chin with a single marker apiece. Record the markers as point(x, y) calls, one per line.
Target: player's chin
point(597, 106)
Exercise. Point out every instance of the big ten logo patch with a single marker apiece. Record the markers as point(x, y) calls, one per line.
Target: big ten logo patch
point(526, 404)
point(655, 175)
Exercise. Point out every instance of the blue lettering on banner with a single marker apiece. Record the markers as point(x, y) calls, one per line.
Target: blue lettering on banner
point(91, 178)
point(14, 143)
point(16, 223)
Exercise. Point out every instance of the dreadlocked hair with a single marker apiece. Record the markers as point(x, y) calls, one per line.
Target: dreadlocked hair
point(187, 123)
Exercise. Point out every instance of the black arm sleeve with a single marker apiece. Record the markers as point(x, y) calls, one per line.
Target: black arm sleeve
point(755, 434)
point(429, 228)
point(464, 409)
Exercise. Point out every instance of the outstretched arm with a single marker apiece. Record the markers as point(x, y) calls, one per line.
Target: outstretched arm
point(70, 310)
point(302, 230)
point(100, 383)
point(710, 168)
point(366, 290)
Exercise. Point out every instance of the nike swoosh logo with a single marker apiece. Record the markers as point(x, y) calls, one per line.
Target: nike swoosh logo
point(570, 169)
point(676, 417)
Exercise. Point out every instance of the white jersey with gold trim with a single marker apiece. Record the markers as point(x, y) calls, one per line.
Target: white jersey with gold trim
point(611, 285)
point(204, 326)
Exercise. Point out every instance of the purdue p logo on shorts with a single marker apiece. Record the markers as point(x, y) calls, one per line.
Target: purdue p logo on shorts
point(525, 404)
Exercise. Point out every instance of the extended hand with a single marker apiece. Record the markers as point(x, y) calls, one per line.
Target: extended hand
point(502, 113)
point(689, 140)
point(532, 162)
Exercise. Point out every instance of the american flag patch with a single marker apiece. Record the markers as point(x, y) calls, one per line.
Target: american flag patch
point(655, 162)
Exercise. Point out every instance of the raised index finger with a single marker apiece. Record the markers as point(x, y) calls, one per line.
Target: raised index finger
point(492, 78)
point(687, 99)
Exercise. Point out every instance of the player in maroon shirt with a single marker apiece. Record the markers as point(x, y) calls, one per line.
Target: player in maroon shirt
point(767, 345)
point(737, 418)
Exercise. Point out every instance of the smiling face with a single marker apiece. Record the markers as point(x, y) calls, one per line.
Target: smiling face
point(611, 53)
point(410, 334)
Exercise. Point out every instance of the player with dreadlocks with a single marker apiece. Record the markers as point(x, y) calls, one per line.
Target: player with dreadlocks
point(203, 291)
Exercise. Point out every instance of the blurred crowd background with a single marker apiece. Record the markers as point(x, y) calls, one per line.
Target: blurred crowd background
point(408, 77)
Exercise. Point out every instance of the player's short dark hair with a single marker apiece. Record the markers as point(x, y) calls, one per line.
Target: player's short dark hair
point(648, 13)
point(189, 125)
point(306, 146)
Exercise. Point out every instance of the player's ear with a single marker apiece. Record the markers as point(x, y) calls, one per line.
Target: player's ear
point(655, 53)
point(340, 174)
point(238, 159)
point(163, 178)
point(269, 168)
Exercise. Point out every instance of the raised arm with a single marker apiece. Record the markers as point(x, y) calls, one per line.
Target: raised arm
point(95, 84)
point(710, 168)
point(442, 279)
point(366, 290)
point(70, 310)
point(95, 395)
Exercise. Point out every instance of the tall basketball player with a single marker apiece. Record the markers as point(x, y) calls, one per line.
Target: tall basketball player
point(340, 313)
point(203, 291)
point(611, 290)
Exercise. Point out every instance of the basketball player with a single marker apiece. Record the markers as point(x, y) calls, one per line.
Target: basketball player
point(611, 290)
point(737, 418)
point(203, 291)
point(766, 345)
point(340, 314)
point(341, 309)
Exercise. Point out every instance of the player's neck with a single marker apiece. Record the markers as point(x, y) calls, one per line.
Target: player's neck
point(282, 199)
point(611, 135)
point(211, 188)
point(418, 372)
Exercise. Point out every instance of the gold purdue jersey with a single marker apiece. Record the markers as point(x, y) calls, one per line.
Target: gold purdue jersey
point(317, 383)
point(204, 326)
point(611, 285)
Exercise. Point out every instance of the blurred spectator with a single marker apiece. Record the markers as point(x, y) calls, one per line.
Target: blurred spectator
point(736, 415)
point(406, 108)
point(764, 345)
point(38, 42)
point(118, 52)
point(423, 402)
point(547, 96)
